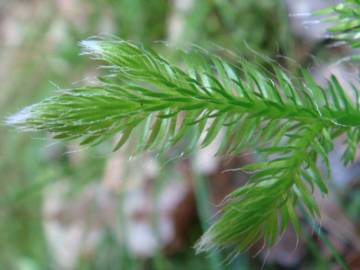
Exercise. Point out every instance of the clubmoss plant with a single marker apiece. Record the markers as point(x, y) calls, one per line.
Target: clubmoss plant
point(289, 122)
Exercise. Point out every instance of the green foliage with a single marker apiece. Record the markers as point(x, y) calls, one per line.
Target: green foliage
point(345, 23)
point(234, 19)
point(290, 122)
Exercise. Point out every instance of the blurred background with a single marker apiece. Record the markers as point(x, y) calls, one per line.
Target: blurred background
point(63, 206)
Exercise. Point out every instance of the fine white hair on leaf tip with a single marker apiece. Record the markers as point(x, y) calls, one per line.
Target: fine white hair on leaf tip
point(20, 117)
point(91, 46)
point(205, 243)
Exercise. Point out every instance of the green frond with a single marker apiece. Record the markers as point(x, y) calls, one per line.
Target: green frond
point(345, 23)
point(262, 209)
point(145, 98)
